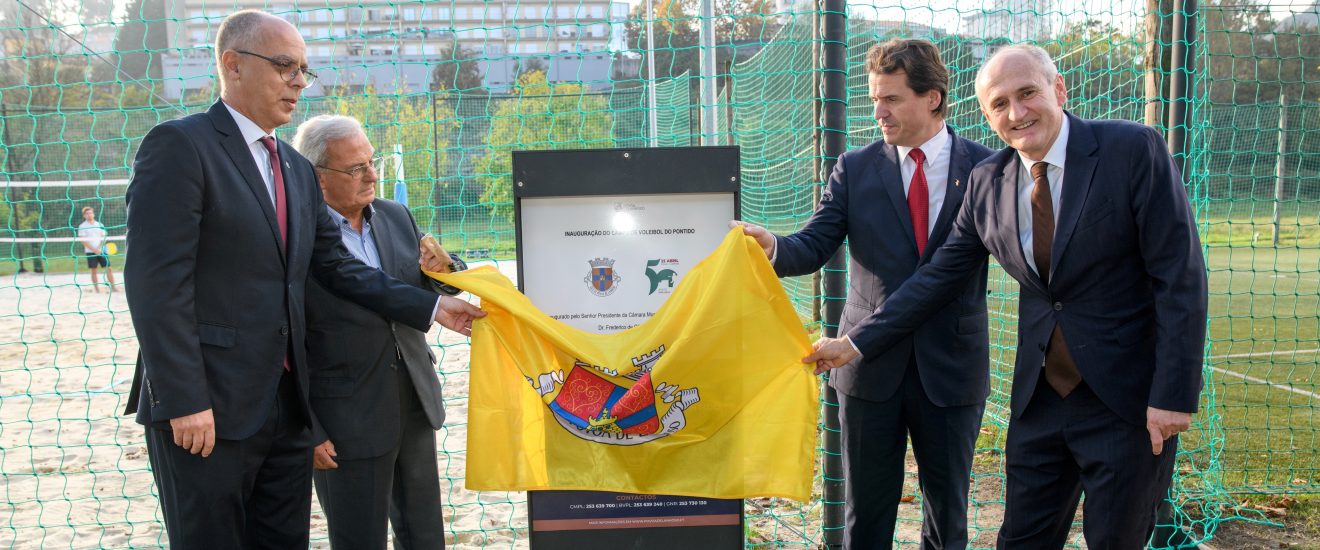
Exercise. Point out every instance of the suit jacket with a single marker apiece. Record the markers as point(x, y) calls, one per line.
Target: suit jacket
point(865, 202)
point(1127, 278)
point(350, 350)
point(216, 301)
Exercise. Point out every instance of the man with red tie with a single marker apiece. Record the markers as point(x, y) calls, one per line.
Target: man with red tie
point(894, 201)
point(225, 225)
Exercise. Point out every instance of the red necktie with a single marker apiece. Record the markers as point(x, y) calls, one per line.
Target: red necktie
point(281, 208)
point(919, 201)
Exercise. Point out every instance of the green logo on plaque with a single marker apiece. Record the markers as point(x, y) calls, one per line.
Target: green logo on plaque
point(664, 275)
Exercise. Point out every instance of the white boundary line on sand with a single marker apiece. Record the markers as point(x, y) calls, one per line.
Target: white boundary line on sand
point(1266, 382)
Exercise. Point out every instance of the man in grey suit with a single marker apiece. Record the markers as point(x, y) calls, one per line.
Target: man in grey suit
point(1111, 314)
point(374, 389)
point(895, 200)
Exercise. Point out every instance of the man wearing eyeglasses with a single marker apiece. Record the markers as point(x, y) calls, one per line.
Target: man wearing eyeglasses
point(225, 226)
point(374, 389)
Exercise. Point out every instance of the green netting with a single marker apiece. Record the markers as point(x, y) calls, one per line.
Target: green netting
point(457, 85)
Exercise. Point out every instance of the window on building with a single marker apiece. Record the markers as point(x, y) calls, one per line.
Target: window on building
point(597, 12)
point(562, 12)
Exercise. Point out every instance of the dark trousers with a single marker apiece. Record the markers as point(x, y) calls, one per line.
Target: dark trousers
point(250, 493)
point(875, 435)
point(402, 485)
point(1062, 447)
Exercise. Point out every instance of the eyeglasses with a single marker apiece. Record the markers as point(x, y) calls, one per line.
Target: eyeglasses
point(376, 165)
point(287, 68)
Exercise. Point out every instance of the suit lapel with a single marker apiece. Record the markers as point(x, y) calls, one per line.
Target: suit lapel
point(241, 155)
point(1078, 172)
point(891, 177)
point(960, 167)
point(293, 197)
point(1007, 186)
point(382, 229)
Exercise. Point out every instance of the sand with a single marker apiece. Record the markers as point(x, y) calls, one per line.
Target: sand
point(76, 471)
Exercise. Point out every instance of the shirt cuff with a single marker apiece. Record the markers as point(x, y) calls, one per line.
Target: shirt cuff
point(854, 346)
point(774, 252)
point(436, 309)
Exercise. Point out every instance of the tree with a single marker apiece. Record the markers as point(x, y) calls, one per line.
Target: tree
point(141, 39)
point(543, 115)
point(1234, 33)
point(678, 37)
point(423, 133)
point(1158, 58)
point(457, 71)
point(1099, 65)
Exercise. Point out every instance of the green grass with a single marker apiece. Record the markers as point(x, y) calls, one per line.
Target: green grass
point(1265, 300)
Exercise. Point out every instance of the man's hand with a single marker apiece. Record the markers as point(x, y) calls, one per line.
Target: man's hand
point(457, 315)
point(831, 353)
point(195, 432)
point(1164, 424)
point(764, 238)
point(323, 456)
point(433, 257)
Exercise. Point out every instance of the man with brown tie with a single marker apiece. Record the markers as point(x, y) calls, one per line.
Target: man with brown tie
point(225, 226)
point(1092, 219)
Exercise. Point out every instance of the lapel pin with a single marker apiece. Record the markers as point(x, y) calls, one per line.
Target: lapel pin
point(956, 183)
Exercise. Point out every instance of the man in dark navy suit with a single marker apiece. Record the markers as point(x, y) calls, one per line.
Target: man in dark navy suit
point(1092, 219)
point(225, 226)
point(895, 201)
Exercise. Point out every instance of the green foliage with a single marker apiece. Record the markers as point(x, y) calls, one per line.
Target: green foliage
point(544, 116)
point(421, 127)
point(457, 71)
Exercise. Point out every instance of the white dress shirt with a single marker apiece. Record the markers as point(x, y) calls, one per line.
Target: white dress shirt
point(938, 150)
point(252, 135)
point(1055, 157)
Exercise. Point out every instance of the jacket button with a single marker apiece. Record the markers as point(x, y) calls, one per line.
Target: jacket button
point(1058, 306)
point(284, 331)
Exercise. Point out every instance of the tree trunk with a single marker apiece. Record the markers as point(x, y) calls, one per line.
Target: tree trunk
point(1158, 56)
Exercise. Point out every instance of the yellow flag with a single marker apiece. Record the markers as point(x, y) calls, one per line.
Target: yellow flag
point(707, 398)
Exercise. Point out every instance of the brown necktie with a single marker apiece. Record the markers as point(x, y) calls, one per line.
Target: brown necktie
point(1060, 370)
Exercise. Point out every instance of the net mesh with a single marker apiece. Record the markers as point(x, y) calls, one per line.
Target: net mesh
point(446, 90)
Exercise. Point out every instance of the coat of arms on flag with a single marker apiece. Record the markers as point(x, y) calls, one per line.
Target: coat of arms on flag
point(591, 402)
point(709, 397)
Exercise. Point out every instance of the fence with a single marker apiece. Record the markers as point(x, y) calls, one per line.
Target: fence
point(80, 85)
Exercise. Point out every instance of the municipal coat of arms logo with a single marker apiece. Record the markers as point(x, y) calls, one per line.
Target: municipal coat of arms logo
point(602, 281)
point(591, 402)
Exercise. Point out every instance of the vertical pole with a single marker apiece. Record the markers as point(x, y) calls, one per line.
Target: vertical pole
point(16, 249)
point(1168, 533)
point(707, 52)
point(816, 143)
point(834, 133)
point(650, 71)
point(1278, 164)
point(1184, 66)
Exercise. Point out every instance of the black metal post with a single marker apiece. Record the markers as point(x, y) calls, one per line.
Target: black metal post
point(1168, 534)
point(1182, 80)
point(834, 140)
